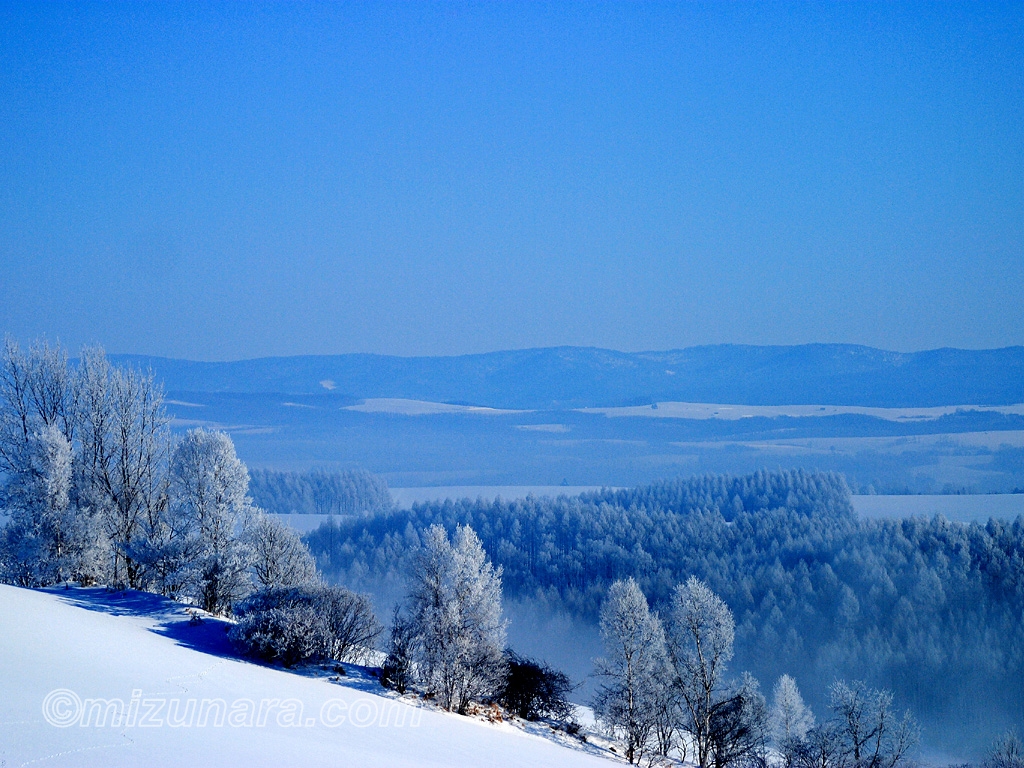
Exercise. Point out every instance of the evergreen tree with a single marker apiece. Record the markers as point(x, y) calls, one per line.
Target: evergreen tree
point(791, 719)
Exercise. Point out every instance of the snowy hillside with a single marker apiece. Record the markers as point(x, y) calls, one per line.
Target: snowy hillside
point(188, 702)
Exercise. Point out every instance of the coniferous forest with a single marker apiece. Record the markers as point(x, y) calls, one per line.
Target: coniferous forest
point(932, 609)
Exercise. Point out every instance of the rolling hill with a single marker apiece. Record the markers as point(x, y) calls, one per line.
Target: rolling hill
point(578, 377)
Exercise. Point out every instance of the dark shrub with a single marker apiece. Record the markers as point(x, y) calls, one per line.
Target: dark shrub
point(397, 670)
point(534, 690)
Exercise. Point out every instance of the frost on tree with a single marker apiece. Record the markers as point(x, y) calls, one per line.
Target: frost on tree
point(791, 719)
point(209, 487)
point(41, 541)
point(278, 556)
point(700, 642)
point(634, 667)
point(869, 731)
point(455, 607)
point(93, 491)
point(50, 536)
point(124, 440)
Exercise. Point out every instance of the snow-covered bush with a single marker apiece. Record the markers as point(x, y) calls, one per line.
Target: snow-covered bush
point(291, 625)
point(280, 625)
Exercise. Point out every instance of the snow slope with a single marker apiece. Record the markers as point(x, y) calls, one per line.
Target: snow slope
point(141, 649)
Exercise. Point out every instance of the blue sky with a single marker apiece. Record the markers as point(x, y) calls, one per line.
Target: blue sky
point(220, 181)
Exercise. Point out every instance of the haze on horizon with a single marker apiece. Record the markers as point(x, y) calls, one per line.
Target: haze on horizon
point(226, 181)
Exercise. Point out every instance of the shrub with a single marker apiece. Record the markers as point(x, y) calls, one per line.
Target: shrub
point(397, 671)
point(534, 690)
point(291, 625)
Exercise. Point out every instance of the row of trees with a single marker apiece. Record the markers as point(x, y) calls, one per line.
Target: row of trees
point(319, 492)
point(666, 693)
point(96, 489)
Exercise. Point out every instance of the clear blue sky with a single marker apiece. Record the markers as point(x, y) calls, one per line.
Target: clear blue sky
point(219, 181)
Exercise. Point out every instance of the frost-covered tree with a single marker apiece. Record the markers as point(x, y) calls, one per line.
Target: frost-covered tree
point(700, 642)
point(871, 734)
point(1007, 753)
point(668, 718)
point(42, 541)
point(634, 667)
point(124, 446)
point(455, 606)
point(822, 747)
point(791, 719)
point(279, 558)
point(49, 537)
point(209, 496)
point(37, 390)
point(163, 551)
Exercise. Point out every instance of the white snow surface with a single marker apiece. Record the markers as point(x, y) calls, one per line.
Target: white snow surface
point(141, 648)
point(727, 412)
point(402, 406)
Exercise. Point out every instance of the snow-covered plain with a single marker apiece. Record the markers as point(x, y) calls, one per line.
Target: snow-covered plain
point(404, 407)
point(88, 644)
point(676, 410)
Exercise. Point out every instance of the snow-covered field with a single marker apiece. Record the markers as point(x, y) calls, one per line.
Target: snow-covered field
point(72, 662)
point(404, 407)
point(675, 410)
point(968, 508)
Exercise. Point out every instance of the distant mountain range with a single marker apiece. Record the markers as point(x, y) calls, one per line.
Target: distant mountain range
point(575, 377)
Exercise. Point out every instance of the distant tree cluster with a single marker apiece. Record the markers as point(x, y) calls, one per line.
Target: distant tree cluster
point(96, 489)
point(319, 492)
point(928, 608)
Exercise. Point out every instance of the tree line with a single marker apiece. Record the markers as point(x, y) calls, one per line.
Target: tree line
point(319, 492)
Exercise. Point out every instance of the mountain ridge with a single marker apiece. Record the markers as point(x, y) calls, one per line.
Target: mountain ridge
point(574, 377)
